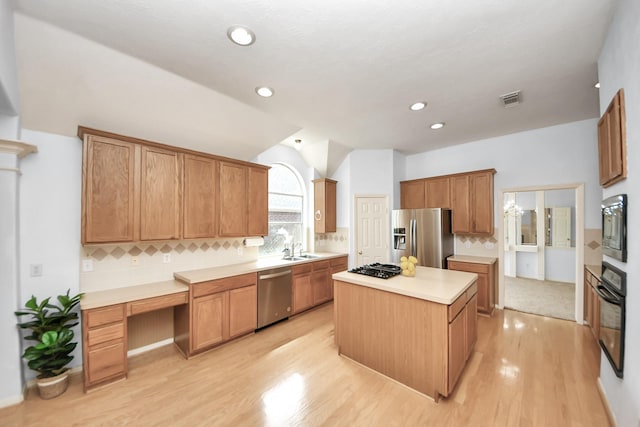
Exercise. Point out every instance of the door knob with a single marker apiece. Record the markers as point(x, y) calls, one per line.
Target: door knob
point(359, 252)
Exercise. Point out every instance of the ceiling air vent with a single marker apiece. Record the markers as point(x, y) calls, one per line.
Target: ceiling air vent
point(511, 99)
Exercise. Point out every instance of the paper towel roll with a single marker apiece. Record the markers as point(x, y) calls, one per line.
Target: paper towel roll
point(253, 241)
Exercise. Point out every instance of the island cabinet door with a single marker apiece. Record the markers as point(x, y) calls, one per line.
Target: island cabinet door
point(209, 320)
point(471, 332)
point(457, 339)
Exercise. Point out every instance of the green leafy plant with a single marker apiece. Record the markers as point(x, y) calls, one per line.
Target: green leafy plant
point(50, 325)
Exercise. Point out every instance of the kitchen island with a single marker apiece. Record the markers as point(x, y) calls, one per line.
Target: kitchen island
point(419, 331)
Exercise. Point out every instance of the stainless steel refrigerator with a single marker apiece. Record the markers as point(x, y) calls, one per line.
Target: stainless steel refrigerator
point(423, 233)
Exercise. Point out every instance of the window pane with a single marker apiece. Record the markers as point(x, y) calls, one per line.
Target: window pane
point(285, 211)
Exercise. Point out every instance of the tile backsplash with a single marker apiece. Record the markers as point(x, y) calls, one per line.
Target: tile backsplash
point(332, 242)
point(477, 246)
point(127, 264)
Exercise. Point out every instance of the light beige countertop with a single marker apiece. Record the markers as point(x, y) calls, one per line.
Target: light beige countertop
point(131, 293)
point(431, 284)
point(213, 273)
point(472, 259)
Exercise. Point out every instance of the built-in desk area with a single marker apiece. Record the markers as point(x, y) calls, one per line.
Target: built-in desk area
point(104, 325)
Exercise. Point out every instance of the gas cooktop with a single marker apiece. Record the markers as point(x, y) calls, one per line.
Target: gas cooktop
point(380, 271)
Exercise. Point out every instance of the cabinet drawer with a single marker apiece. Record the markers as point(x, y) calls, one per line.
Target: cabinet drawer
point(105, 333)
point(320, 265)
point(214, 286)
point(106, 362)
point(457, 306)
point(157, 303)
point(339, 263)
point(469, 267)
point(105, 315)
point(301, 269)
point(473, 289)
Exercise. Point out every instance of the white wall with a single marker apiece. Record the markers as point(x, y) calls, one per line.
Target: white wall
point(619, 67)
point(554, 155)
point(50, 190)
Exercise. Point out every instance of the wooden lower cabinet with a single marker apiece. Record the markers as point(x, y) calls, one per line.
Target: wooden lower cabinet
point(486, 281)
point(321, 282)
point(312, 283)
point(243, 312)
point(301, 288)
point(219, 310)
point(104, 344)
point(592, 303)
point(463, 333)
point(209, 315)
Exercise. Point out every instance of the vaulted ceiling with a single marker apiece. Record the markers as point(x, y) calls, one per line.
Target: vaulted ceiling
point(344, 72)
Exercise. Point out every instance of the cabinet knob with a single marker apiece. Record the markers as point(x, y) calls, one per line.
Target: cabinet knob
point(318, 215)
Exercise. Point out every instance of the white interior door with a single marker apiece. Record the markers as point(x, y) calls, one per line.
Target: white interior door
point(372, 230)
point(561, 227)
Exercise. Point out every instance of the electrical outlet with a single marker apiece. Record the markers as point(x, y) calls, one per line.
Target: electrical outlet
point(36, 270)
point(166, 258)
point(239, 251)
point(135, 260)
point(87, 265)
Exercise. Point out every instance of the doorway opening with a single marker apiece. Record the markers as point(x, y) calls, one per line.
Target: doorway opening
point(372, 235)
point(541, 252)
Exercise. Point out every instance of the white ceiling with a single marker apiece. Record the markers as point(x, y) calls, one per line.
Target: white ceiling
point(344, 71)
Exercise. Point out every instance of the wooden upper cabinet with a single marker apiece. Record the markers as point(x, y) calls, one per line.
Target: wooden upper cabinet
point(233, 199)
point(460, 204)
point(109, 204)
point(324, 205)
point(437, 193)
point(258, 202)
point(482, 203)
point(200, 189)
point(412, 194)
point(472, 202)
point(160, 194)
point(612, 145)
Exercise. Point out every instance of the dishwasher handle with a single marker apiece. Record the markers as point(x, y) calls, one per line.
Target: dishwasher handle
point(274, 275)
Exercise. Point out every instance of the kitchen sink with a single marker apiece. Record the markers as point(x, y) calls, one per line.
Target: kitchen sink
point(308, 256)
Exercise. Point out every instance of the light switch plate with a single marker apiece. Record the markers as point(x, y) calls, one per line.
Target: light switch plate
point(36, 270)
point(166, 258)
point(87, 265)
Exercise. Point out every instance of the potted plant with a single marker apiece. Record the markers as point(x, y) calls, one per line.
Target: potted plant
point(50, 326)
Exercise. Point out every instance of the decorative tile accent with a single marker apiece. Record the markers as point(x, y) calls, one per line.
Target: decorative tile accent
point(118, 252)
point(165, 249)
point(236, 244)
point(150, 250)
point(99, 254)
point(193, 247)
point(204, 246)
point(135, 251)
point(594, 245)
point(180, 248)
point(226, 245)
point(215, 246)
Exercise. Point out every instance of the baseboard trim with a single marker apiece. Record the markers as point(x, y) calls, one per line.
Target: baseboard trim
point(607, 407)
point(11, 401)
point(153, 346)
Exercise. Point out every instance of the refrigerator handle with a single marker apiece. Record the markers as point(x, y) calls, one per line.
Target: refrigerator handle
point(413, 237)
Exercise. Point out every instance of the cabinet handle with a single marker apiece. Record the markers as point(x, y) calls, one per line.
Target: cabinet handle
point(318, 215)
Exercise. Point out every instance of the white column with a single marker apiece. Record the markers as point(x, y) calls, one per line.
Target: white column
point(10, 351)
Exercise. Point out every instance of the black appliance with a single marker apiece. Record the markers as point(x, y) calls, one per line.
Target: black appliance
point(377, 270)
point(612, 293)
point(614, 227)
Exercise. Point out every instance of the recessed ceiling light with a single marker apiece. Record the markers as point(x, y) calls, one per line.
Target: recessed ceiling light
point(241, 35)
point(438, 125)
point(264, 91)
point(597, 85)
point(418, 106)
point(298, 141)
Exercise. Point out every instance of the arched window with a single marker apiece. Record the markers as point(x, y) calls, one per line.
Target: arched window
point(286, 201)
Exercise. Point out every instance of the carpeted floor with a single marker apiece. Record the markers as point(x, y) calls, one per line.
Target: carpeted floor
point(546, 298)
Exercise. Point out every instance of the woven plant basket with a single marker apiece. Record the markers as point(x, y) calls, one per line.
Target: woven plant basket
point(53, 386)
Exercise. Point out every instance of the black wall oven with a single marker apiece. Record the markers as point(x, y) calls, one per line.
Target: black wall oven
point(612, 294)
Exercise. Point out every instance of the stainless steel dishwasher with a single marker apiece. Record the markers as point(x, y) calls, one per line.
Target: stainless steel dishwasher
point(274, 295)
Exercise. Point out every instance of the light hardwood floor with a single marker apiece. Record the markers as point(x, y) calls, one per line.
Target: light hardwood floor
point(526, 371)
